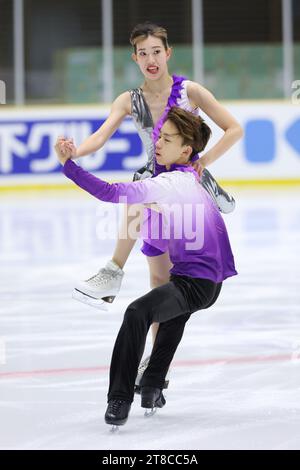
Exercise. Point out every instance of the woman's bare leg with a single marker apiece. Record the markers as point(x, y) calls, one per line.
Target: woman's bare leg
point(128, 234)
point(159, 267)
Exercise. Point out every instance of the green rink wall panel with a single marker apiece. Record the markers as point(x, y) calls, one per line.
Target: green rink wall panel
point(231, 71)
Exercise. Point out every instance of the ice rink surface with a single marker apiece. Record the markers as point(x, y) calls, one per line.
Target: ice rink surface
point(235, 380)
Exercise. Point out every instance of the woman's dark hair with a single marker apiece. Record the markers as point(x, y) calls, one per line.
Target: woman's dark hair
point(193, 130)
point(142, 30)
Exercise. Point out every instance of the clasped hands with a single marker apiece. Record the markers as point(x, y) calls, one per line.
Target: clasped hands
point(65, 149)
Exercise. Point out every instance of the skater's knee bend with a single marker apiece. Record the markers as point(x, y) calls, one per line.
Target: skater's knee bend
point(136, 312)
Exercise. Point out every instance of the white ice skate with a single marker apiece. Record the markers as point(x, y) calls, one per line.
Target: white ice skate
point(101, 289)
point(142, 367)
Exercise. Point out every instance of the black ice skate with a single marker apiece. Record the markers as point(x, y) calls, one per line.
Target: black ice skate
point(117, 413)
point(151, 399)
point(225, 202)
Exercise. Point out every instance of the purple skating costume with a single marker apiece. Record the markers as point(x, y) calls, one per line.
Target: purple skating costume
point(202, 248)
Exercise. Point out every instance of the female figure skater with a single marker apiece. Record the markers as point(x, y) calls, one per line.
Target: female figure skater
point(199, 265)
point(148, 106)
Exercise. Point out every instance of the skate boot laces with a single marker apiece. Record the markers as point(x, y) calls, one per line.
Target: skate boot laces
point(104, 276)
point(114, 406)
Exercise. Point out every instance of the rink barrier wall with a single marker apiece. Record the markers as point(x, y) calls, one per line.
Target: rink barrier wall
point(234, 184)
point(224, 183)
point(268, 155)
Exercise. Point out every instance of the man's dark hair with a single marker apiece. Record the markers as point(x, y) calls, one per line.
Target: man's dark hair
point(193, 130)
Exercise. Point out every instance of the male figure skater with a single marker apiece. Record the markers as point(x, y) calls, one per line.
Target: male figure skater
point(202, 259)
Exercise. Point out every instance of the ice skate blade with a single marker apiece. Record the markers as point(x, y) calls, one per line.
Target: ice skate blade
point(114, 429)
point(86, 299)
point(150, 412)
point(109, 299)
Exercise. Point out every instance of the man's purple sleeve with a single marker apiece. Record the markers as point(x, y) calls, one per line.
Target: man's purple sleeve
point(134, 192)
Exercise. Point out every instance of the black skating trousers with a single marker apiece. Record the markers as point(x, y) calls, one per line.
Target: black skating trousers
point(171, 305)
